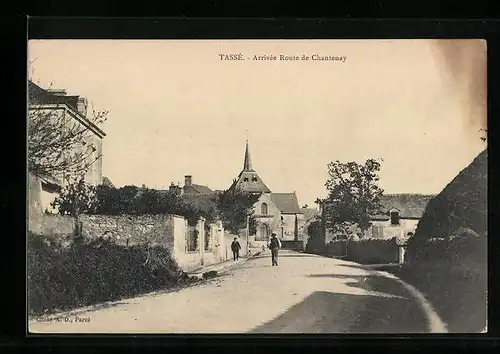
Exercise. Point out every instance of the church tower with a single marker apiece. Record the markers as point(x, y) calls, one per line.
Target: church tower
point(248, 180)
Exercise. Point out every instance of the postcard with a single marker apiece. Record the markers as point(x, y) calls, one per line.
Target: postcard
point(257, 186)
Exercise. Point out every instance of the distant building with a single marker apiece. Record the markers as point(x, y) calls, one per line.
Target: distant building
point(400, 215)
point(191, 188)
point(274, 212)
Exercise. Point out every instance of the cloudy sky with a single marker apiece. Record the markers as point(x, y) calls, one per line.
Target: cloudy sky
point(177, 109)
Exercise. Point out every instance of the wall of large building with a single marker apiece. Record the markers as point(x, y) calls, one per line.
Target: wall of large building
point(94, 174)
point(65, 119)
point(39, 198)
point(272, 219)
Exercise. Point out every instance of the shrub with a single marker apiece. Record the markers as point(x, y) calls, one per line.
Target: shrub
point(98, 271)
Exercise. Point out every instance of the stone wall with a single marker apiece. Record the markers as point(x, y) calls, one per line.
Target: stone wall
point(123, 229)
point(371, 251)
point(168, 231)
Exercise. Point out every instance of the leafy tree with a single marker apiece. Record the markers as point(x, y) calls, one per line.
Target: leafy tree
point(76, 198)
point(316, 240)
point(116, 201)
point(234, 207)
point(353, 195)
point(128, 200)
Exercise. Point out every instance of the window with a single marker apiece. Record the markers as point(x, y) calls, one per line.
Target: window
point(394, 217)
point(254, 179)
point(245, 179)
point(263, 209)
point(50, 188)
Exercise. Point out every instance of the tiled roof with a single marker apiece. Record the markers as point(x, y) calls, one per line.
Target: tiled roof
point(204, 202)
point(38, 95)
point(197, 189)
point(47, 178)
point(408, 205)
point(287, 203)
point(250, 185)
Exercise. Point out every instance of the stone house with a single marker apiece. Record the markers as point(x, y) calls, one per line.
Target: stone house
point(55, 103)
point(274, 212)
point(400, 215)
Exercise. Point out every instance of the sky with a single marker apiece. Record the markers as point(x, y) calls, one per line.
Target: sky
point(177, 109)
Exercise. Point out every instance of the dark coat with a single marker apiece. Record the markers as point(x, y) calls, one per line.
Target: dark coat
point(235, 246)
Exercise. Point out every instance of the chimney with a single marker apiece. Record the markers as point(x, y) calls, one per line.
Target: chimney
point(173, 188)
point(188, 180)
point(82, 106)
point(143, 186)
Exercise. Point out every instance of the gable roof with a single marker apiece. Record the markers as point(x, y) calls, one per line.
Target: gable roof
point(246, 183)
point(197, 189)
point(409, 205)
point(287, 203)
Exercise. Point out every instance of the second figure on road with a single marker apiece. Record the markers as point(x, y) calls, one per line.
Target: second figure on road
point(235, 247)
point(274, 245)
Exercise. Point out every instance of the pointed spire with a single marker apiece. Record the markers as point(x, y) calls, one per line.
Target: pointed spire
point(247, 165)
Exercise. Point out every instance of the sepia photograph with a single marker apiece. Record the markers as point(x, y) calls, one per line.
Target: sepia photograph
point(257, 186)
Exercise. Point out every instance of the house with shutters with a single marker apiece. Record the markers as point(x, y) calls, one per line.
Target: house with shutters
point(274, 212)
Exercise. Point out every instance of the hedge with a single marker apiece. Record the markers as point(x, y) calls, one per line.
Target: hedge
point(62, 278)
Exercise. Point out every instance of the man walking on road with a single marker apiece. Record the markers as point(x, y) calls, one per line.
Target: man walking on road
point(235, 247)
point(274, 245)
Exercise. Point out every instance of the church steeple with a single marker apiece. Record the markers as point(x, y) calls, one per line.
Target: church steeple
point(248, 180)
point(247, 164)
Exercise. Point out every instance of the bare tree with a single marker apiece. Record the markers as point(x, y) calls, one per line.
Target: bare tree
point(59, 145)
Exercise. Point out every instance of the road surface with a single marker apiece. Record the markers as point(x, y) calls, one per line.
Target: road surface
point(304, 294)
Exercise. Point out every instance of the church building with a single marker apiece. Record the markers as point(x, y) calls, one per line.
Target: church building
point(274, 212)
